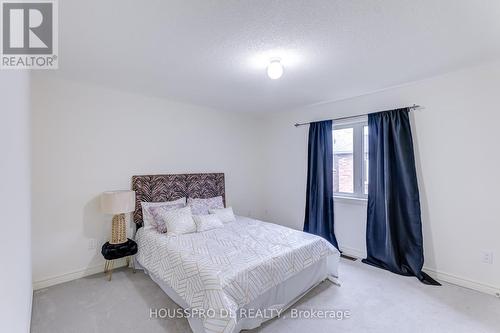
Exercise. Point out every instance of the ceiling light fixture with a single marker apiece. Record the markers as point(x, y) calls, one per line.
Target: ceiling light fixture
point(275, 69)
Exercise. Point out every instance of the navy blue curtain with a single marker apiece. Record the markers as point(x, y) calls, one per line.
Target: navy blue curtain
point(394, 227)
point(319, 196)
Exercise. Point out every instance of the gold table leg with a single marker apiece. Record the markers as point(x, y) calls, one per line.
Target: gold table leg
point(108, 268)
point(111, 270)
point(133, 265)
point(130, 260)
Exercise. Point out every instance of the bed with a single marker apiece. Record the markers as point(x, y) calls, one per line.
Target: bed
point(232, 278)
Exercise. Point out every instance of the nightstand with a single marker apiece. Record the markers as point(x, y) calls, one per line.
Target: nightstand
point(111, 252)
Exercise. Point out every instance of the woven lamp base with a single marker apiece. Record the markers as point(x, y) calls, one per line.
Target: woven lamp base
point(118, 230)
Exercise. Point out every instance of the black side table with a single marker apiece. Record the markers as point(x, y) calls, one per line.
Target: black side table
point(112, 252)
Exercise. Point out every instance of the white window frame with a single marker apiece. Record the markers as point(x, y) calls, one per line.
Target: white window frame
point(357, 124)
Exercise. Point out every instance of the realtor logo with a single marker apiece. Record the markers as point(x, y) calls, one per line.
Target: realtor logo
point(29, 34)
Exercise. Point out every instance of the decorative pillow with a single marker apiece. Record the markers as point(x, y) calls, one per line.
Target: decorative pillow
point(179, 221)
point(147, 218)
point(224, 214)
point(157, 212)
point(201, 206)
point(207, 222)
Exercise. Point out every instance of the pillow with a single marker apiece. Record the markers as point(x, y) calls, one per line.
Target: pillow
point(207, 222)
point(157, 212)
point(201, 206)
point(147, 218)
point(179, 221)
point(224, 214)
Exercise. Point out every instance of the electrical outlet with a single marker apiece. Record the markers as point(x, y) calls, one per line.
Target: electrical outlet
point(487, 257)
point(92, 244)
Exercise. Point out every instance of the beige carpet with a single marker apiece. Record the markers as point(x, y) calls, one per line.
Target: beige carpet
point(378, 301)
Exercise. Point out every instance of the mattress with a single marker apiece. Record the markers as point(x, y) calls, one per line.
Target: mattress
point(220, 271)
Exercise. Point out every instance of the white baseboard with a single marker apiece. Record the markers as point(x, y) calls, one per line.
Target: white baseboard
point(30, 313)
point(352, 252)
point(438, 275)
point(57, 279)
point(442, 276)
point(462, 282)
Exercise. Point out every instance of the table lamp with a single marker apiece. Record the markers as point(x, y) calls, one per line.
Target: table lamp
point(118, 203)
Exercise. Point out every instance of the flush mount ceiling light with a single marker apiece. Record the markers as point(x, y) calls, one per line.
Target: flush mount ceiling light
point(275, 69)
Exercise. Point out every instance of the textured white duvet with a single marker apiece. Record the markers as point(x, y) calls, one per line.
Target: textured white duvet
point(224, 269)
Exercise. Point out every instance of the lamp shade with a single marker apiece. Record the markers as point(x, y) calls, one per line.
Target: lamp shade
point(118, 202)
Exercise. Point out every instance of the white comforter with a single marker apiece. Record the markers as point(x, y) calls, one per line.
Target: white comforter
point(224, 269)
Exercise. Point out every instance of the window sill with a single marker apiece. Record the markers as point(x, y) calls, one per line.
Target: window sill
point(351, 200)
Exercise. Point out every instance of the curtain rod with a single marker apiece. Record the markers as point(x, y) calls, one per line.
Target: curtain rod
point(413, 107)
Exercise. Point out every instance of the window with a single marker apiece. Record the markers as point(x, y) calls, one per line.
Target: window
point(350, 158)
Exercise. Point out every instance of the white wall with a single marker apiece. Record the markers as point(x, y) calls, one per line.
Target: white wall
point(15, 281)
point(88, 139)
point(458, 163)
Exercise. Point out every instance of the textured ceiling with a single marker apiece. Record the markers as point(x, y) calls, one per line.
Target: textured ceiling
point(214, 52)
